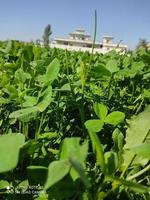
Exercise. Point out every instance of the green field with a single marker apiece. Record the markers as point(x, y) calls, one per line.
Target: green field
point(73, 125)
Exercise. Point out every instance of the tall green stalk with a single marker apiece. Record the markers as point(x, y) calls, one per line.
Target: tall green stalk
point(40, 126)
point(95, 31)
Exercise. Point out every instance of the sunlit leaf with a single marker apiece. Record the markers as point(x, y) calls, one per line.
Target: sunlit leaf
point(94, 125)
point(52, 71)
point(23, 112)
point(115, 118)
point(71, 147)
point(142, 150)
point(46, 99)
point(9, 151)
point(56, 171)
point(79, 169)
point(100, 110)
point(111, 162)
point(137, 133)
point(112, 66)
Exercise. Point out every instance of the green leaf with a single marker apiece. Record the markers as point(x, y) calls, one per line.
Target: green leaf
point(33, 174)
point(118, 140)
point(136, 134)
point(112, 66)
point(9, 151)
point(3, 184)
point(138, 188)
point(42, 196)
point(111, 162)
point(100, 110)
point(63, 190)
point(46, 96)
point(115, 118)
point(31, 146)
point(137, 66)
point(27, 53)
point(146, 94)
point(11, 91)
point(65, 87)
point(29, 101)
point(99, 71)
point(98, 149)
point(57, 170)
point(71, 147)
point(52, 71)
point(142, 150)
point(47, 135)
point(23, 112)
point(9, 46)
point(79, 169)
point(41, 106)
point(4, 101)
point(22, 76)
point(83, 72)
point(74, 174)
point(24, 185)
point(94, 125)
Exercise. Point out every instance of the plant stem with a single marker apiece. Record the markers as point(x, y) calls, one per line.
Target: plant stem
point(109, 87)
point(25, 129)
point(40, 126)
point(58, 112)
point(143, 179)
point(139, 173)
point(127, 166)
point(81, 106)
point(82, 113)
point(95, 30)
point(139, 107)
point(19, 126)
point(133, 89)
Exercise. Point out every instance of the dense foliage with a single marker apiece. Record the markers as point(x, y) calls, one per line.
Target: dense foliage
point(73, 125)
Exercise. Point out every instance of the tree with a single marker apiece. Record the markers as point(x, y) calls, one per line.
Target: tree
point(47, 33)
point(143, 43)
point(37, 42)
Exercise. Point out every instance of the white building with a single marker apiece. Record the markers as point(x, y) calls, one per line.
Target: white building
point(80, 41)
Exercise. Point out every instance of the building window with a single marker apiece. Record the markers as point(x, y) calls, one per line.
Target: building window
point(65, 43)
point(89, 45)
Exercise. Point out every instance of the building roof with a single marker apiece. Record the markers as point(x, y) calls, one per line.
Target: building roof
point(79, 32)
point(108, 37)
point(76, 41)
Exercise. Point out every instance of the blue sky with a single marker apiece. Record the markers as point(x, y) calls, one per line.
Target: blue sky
point(123, 19)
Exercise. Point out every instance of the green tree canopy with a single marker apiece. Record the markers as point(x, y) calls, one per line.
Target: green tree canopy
point(46, 35)
point(143, 43)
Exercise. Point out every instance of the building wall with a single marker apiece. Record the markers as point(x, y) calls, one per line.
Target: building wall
point(83, 49)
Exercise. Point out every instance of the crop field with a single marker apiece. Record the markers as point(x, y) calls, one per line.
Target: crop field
point(73, 125)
